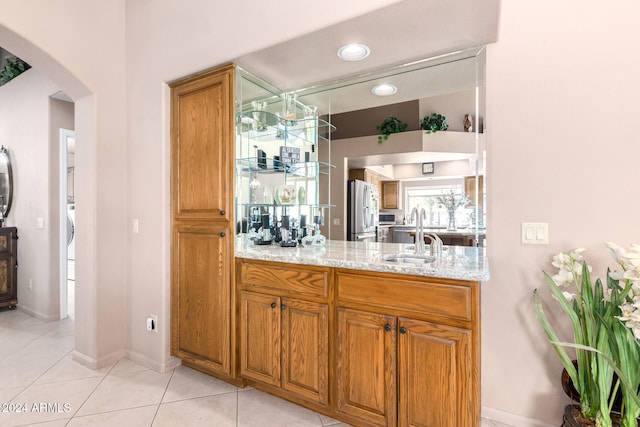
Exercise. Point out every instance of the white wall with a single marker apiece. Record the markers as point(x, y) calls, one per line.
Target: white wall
point(562, 108)
point(442, 169)
point(80, 47)
point(24, 131)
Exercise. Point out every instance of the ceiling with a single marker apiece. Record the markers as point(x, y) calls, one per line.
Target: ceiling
point(403, 32)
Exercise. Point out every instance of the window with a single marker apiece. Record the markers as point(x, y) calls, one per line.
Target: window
point(437, 216)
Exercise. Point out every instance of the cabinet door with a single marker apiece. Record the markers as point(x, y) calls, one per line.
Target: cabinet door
point(436, 385)
point(470, 189)
point(202, 146)
point(391, 195)
point(305, 347)
point(201, 302)
point(366, 367)
point(260, 337)
point(7, 290)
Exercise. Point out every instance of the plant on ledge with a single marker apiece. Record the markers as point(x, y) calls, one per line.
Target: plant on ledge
point(606, 331)
point(12, 68)
point(434, 123)
point(390, 125)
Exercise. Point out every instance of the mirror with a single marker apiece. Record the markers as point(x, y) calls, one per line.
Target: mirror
point(6, 183)
point(400, 36)
point(451, 84)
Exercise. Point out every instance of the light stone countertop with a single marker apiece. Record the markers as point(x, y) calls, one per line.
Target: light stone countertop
point(457, 262)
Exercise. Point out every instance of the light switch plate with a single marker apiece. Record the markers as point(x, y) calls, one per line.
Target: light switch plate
point(40, 223)
point(535, 233)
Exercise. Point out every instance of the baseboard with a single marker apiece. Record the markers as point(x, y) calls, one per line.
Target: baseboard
point(512, 419)
point(98, 363)
point(153, 364)
point(38, 315)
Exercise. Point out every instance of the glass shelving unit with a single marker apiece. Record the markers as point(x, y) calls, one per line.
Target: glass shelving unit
point(282, 148)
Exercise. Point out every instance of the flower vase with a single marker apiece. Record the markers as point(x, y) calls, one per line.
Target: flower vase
point(452, 221)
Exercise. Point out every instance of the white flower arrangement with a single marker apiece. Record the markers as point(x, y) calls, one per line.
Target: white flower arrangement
point(606, 327)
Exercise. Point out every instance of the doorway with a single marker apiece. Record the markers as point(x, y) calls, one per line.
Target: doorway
point(67, 224)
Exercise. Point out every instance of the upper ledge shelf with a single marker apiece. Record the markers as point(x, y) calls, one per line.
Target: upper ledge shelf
point(419, 140)
point(451, 141)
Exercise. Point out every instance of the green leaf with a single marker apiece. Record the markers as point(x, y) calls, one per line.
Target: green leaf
point(564, 357)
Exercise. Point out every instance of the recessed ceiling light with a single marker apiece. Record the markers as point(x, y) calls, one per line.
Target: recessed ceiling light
point(353, 52)
point(384, 89)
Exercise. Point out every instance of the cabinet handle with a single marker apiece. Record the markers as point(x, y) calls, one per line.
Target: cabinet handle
point(403, 330)
point(222, 234)
point(387, 328)
point(222, 212)
point(282, 307)
point(273, 305)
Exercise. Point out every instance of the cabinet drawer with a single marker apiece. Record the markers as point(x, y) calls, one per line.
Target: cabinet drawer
point(300, 281)
point(426, 297)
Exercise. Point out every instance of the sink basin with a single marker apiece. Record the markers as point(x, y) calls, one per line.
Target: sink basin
point(409, 259)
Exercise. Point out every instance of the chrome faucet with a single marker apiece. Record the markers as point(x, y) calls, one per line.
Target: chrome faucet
point(436, 244)
point(420, 216)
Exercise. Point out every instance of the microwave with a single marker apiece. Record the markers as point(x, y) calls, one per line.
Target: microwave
point(386, 218)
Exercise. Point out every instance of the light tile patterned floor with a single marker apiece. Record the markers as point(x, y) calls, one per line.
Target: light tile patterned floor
point(39, 378)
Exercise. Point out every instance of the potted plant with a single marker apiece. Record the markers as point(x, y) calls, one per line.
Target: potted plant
point(390, 125)
point(434, 123)
point(12, 68)
point(606, 330)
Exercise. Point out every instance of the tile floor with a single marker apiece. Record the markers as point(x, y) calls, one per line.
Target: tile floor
point(41, 385)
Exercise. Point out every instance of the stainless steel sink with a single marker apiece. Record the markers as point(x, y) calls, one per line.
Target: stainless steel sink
point(409, 259)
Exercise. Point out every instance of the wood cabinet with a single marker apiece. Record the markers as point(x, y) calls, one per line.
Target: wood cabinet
point(8, 267)
point(367, 175)
point(391, 195)
point(367, 348)
point(408, 351)
point(202, 318)
point(366, 367)
point(470, 189)
point(201, 303)
point(284, 338)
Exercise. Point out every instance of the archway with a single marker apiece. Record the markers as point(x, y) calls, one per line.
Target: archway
point(86, 339)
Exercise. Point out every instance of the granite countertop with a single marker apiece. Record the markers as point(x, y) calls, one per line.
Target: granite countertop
point(457, 262)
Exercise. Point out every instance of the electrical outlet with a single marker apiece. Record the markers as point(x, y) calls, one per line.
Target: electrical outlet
point(152, 323)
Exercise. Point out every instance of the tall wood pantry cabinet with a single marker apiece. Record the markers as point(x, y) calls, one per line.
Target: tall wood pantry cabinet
point(202, 231)
point(8, 267)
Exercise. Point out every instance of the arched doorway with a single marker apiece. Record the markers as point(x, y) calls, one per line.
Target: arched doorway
point(87, 338)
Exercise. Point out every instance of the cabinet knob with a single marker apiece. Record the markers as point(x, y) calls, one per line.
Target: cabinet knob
point(387, 328)
point(273, 305)
point(222, 212)
point(282, 307)
point(403, 330)
point(222, 234)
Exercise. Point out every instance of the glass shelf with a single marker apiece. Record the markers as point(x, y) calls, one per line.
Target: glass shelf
point(271, 205)
point(300, 169)
point(268, 127)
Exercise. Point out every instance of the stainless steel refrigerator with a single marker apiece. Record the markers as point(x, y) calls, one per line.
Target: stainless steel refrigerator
point(363, 207)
